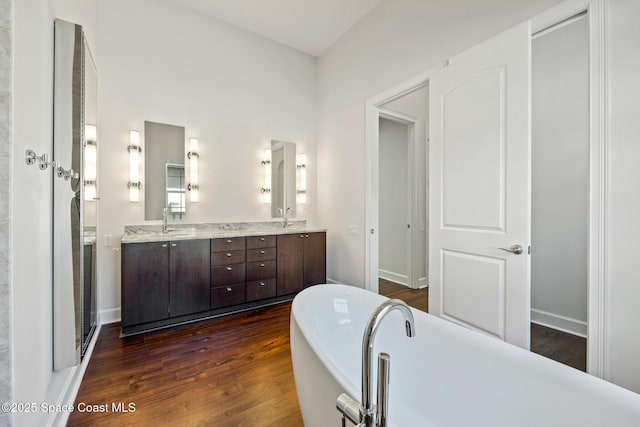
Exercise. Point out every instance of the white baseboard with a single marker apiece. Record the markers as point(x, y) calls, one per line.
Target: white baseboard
point(70, 389)
point(393, 277)
point(422, 283)
point(112, 315)
point(561, 323)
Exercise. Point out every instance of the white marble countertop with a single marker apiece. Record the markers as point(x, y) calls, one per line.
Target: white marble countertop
point(141, 234)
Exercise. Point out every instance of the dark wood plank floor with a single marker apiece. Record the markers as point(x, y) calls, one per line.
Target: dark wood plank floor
point(417, 298)
point(232, 371)
point(559, 346)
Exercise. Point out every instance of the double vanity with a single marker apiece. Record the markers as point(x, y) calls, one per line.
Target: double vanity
point(208, 270)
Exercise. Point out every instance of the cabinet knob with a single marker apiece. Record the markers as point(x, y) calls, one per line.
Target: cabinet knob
point(261, 252)
point(174, 245)
point(302, 236)
point(229, 289)
point(261, 283)
point(261, 265)
point(262, 239)
point(229, 241)
point(229, 268)
point(307, 236)
point(164, 245)
point(228, 254)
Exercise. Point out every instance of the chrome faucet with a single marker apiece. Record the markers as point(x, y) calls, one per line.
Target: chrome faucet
point(165, 227)
point(286, 220)
point(363, 414)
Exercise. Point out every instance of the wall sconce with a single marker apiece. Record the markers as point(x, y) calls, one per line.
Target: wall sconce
point(266, 189)
point(90, 162)
point(193, 156)
point(134, 166)
point(301, 192)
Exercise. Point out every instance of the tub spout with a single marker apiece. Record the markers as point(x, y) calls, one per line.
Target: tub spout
point(367, 417)
point(367, 350)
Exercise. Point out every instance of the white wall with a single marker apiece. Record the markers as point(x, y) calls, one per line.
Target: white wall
point(560, 178)
point(623, 274)
point(397, 40)
point(31, 253)
point(232, 89)
point(394, 215)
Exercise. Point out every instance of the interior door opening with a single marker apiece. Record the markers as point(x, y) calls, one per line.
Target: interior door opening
point(402, 198)
point(560, 191)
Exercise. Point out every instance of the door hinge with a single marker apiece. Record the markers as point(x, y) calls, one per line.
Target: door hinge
point(529, 250)
point(372, 231)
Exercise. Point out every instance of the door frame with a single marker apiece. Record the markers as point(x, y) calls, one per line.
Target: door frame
point(413, 136)
point(597, 288)
point(374, 111)
point(597, 336)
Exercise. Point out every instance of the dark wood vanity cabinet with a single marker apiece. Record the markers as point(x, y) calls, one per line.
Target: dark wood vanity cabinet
point(301, 261)
point(145, 283)
point(169, 282)
point(164, 279)
point(188, 277)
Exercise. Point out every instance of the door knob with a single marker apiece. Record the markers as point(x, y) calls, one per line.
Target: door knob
point(515, 249)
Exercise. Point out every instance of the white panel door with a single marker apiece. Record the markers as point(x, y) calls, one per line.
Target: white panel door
point(479, 180)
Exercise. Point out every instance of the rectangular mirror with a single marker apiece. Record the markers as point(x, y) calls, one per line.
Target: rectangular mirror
point(283, 179)
point(164, 171)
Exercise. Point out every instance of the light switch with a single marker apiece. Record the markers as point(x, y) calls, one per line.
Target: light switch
point(108, 240)
point(353, 230)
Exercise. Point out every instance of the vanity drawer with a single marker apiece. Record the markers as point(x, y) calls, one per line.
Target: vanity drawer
point(228, 244)
point(254, 242)
point(227, 295)
point(227, 257)
point(261, 270)
point(227, 274)
point(261, 289)
point(265, 254)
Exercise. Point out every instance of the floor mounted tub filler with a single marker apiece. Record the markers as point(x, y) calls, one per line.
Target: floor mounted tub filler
point(444, 376)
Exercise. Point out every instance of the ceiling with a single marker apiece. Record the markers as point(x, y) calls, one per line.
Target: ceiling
point(310, 26)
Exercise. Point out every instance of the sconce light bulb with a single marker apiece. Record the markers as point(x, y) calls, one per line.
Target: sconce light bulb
point(90, 133)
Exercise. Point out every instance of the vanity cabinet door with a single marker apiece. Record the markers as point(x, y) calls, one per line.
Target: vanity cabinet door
point(189, 267)
point(290, 260)
point(145, 282)
point(315, 262)
point(301, 261)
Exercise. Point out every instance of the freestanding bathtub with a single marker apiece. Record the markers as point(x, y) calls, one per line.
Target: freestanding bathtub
point(445, 376)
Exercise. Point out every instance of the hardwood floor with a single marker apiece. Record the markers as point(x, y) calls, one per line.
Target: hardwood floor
point(232, 371)
point(556, 345)
point(559, 346)
point(417, 298)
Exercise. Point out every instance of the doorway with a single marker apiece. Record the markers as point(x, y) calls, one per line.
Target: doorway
point(560, 191)
point(402, 194)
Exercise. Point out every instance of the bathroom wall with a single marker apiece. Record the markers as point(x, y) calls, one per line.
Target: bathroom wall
point(30, 215)
point(402, 38)
point(622, 272)
point(6, 144)
point(231, 89)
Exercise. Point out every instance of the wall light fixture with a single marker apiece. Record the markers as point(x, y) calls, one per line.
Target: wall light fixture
point(266, 189)
point(90, 162)
point(134, 166)
point(301, 191)
point(193, 156)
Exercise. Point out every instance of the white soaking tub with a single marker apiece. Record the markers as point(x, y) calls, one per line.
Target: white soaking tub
point(445, 376)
